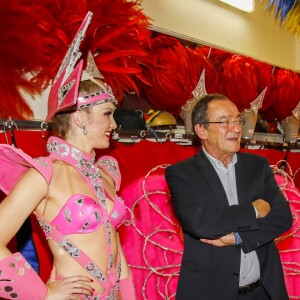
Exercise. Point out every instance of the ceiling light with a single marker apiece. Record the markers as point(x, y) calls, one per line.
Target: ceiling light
point(245, 5)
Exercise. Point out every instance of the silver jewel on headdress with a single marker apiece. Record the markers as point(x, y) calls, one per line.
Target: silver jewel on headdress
point(73, 53)
point(91, 71)
point(296, 111)
point(198, 92)
point(257, 103)
point(63, 90)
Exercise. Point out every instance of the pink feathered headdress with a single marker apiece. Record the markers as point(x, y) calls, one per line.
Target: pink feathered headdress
point(64, 92)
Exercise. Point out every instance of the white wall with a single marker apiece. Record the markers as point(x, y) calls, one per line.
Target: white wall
point(256, 34)
point(38, 104)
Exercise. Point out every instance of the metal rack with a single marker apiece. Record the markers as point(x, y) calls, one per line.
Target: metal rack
point(11, 124)
point(132, 136)
point(176, 135)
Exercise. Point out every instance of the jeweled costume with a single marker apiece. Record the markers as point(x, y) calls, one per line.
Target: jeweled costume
point(80, 214)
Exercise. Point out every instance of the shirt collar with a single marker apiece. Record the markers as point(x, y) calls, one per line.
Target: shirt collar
point(217, 163)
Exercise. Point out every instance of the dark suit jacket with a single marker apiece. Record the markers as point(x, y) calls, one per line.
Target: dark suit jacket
point(201, 206)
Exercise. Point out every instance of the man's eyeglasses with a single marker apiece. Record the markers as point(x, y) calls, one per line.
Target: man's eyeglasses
point(228, 123)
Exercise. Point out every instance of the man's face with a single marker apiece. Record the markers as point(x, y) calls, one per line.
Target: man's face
point(223, 139)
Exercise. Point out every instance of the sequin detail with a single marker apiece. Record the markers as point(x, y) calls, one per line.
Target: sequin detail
point(85, 164)
point(115, 215)
point(110, 165)
point(95, 271)
point(20, 267)
point(67, 214)
point(41, 161)
point(70, 248)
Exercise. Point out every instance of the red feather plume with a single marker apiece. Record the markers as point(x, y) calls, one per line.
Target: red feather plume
point(211, 75)
point(242, 79)
point(15, 59)
point(265, 78)
point(35, 36)
point(285, 93)
point(217, 57)
point(175, 74)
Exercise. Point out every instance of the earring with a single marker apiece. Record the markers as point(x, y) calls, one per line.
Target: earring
point(84, 130)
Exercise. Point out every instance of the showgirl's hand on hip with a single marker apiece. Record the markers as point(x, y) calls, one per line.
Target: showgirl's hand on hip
point(68, 288)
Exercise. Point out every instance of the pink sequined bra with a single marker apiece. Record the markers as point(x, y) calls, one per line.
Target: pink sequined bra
point(83, 214)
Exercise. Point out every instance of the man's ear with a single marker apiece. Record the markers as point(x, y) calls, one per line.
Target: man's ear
point(201, 131)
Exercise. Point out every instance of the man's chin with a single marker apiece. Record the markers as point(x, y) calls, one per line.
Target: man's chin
point(235, 148)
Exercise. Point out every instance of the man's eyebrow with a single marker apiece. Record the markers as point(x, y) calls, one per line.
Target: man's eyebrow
point(230, 116)
point(225, 117)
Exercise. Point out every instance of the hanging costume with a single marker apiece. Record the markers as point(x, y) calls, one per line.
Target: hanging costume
point(81, 213)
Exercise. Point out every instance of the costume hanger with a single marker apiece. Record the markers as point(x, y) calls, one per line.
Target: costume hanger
point(9, 125)
point(24, 124)
point(44, 128)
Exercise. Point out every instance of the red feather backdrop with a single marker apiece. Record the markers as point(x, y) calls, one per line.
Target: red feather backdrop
point(176, 73)
point(242, 79)
point(285, 93)
point(35, 36)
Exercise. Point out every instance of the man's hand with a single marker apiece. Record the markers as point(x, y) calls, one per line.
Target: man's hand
point(262, 207)
point(226, 240)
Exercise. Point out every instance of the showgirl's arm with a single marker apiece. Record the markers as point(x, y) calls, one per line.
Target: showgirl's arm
point(17, 276)
point(27, 194)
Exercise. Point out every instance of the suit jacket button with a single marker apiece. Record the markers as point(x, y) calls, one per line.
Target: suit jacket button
point(235, 274)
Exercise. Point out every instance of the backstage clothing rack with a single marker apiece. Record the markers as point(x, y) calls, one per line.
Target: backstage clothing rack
point(11, 124)
point(132, 136)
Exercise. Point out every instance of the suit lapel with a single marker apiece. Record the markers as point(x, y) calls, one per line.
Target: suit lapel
point(208, 172)
point(241, 182)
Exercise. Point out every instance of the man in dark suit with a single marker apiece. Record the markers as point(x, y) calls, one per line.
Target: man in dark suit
point(230, 209)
